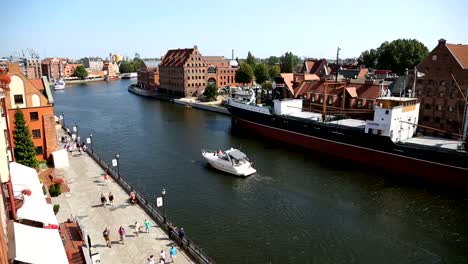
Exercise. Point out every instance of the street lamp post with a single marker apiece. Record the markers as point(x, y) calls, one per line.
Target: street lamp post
point(91, 140)
point(117, 156)
point(62, 119)
point(77, 131)
point(163, 193)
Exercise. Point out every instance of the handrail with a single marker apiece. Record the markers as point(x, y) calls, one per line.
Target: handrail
point(188, 245)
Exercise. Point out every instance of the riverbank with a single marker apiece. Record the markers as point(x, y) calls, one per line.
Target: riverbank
point(214, 106)
point(85, 177)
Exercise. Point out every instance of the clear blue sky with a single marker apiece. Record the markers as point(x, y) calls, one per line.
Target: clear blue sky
point(309, 28)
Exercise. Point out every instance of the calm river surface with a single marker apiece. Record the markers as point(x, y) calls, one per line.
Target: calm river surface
point(298, 208)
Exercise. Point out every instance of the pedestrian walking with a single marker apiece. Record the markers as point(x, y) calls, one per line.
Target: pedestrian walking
point(147, 226)
point(162, 255)
point(137, 228)
point(181, 236)
point(106, 177)
point(173, 253)
point(106, 235)
point(103, 200)
point(151, 259)
point(170, 229)
point(122, 234)
point(111, 199)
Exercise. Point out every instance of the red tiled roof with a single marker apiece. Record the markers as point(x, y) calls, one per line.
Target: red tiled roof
point(288, 80)
point(176, 58)
point(37, 83)
point(460, 52)
point(356, 90)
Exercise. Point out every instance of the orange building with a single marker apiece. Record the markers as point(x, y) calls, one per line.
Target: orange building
point(70, 69)
point(37, 108)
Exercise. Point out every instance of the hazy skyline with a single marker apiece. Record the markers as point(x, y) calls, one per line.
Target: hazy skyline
point(94, 28)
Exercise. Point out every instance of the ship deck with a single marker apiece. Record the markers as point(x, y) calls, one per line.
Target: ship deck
point(450, 144)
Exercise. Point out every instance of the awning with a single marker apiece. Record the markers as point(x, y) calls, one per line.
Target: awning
point(34, 206)
point(35, 245)
point(236, 154)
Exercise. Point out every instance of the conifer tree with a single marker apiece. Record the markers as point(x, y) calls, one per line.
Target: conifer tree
point(25, 152)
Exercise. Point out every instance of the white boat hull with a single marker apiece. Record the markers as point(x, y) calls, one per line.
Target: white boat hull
point(243, 170)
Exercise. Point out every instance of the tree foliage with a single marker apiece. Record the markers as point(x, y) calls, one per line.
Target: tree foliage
point(251, 60)
point(396, 56)
point(81, 72)
point(126, 67)
point(261, 73)
point(274, 71)
point(273, 60)
point(268, 85)
point(211, 92)
point(288, 61)
point(25, 152)
point(138, 64)
point(244, 74)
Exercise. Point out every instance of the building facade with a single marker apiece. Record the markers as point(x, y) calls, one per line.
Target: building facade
point(32, 68)
point(148, 78)
point(186, 73)
point(53, 68)
point(93, 63)
point(69, 69)
point(442, 102)
point(38, 111)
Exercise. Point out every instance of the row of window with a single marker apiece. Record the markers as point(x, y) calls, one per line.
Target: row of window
point(196, 84)
point(439, 107)
point(196, 77)
point(370, 103)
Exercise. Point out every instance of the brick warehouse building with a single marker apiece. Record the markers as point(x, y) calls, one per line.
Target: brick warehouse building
point(53, 68)
point(442, 104)
point(37, 108)
point(184, 72)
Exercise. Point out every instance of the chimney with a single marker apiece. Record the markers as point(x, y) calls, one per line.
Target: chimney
point(232, 56)
point(442, 41)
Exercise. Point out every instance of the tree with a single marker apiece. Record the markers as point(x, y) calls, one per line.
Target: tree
point(274, 71)
point(261, 73)
point(126, 66)
point(288, 61)
point(211, 92)
point(244, 74)
point(396, 56)
point(81, 72)
point(25, 152)
point(138, 64)
point(273, 60)
point(268, 85)
point(251, 60)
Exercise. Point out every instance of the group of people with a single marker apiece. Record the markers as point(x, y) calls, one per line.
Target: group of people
point(104, 199)
point(73, 144)
point(162, 256)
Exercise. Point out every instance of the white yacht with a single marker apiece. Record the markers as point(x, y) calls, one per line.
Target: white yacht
point(231, 161)
point(59, 85)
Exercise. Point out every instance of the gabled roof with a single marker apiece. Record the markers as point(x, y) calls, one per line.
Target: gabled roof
point(460, 52)
point(176, 57)
point(361, 90)
point(38, 83)
point(288, 81)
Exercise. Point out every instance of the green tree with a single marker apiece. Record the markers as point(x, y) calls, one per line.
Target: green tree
point(81, 72)
point(273, 60)
point(274, 71)
point(211, 92)
point(288, 61)
point(396, 56)
point(261, 73)
point(244, 74)
point(251, 60)
point(25, 152)
point(268, 85)
point(369, 58)
point(138, 64)
point(126, 67)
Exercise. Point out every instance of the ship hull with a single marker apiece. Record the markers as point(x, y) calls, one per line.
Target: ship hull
point(381, 160)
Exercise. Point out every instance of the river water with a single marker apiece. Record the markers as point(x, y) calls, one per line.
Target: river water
point(299, 207)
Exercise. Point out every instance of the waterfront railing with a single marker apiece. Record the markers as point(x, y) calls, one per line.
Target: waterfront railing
point(188, 245)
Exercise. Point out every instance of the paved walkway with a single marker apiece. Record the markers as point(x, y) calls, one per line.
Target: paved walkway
point(86, 182)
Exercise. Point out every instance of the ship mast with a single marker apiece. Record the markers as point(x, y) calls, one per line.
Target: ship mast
point(464, 123)
point(337, 65)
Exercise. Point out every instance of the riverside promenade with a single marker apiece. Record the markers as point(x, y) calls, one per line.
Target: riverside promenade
point(86, 181)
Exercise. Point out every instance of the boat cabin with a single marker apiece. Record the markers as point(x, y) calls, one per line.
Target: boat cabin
point(394, 117)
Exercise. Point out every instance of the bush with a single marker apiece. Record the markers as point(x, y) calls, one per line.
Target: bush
point(56, 208)
point(55, 190)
